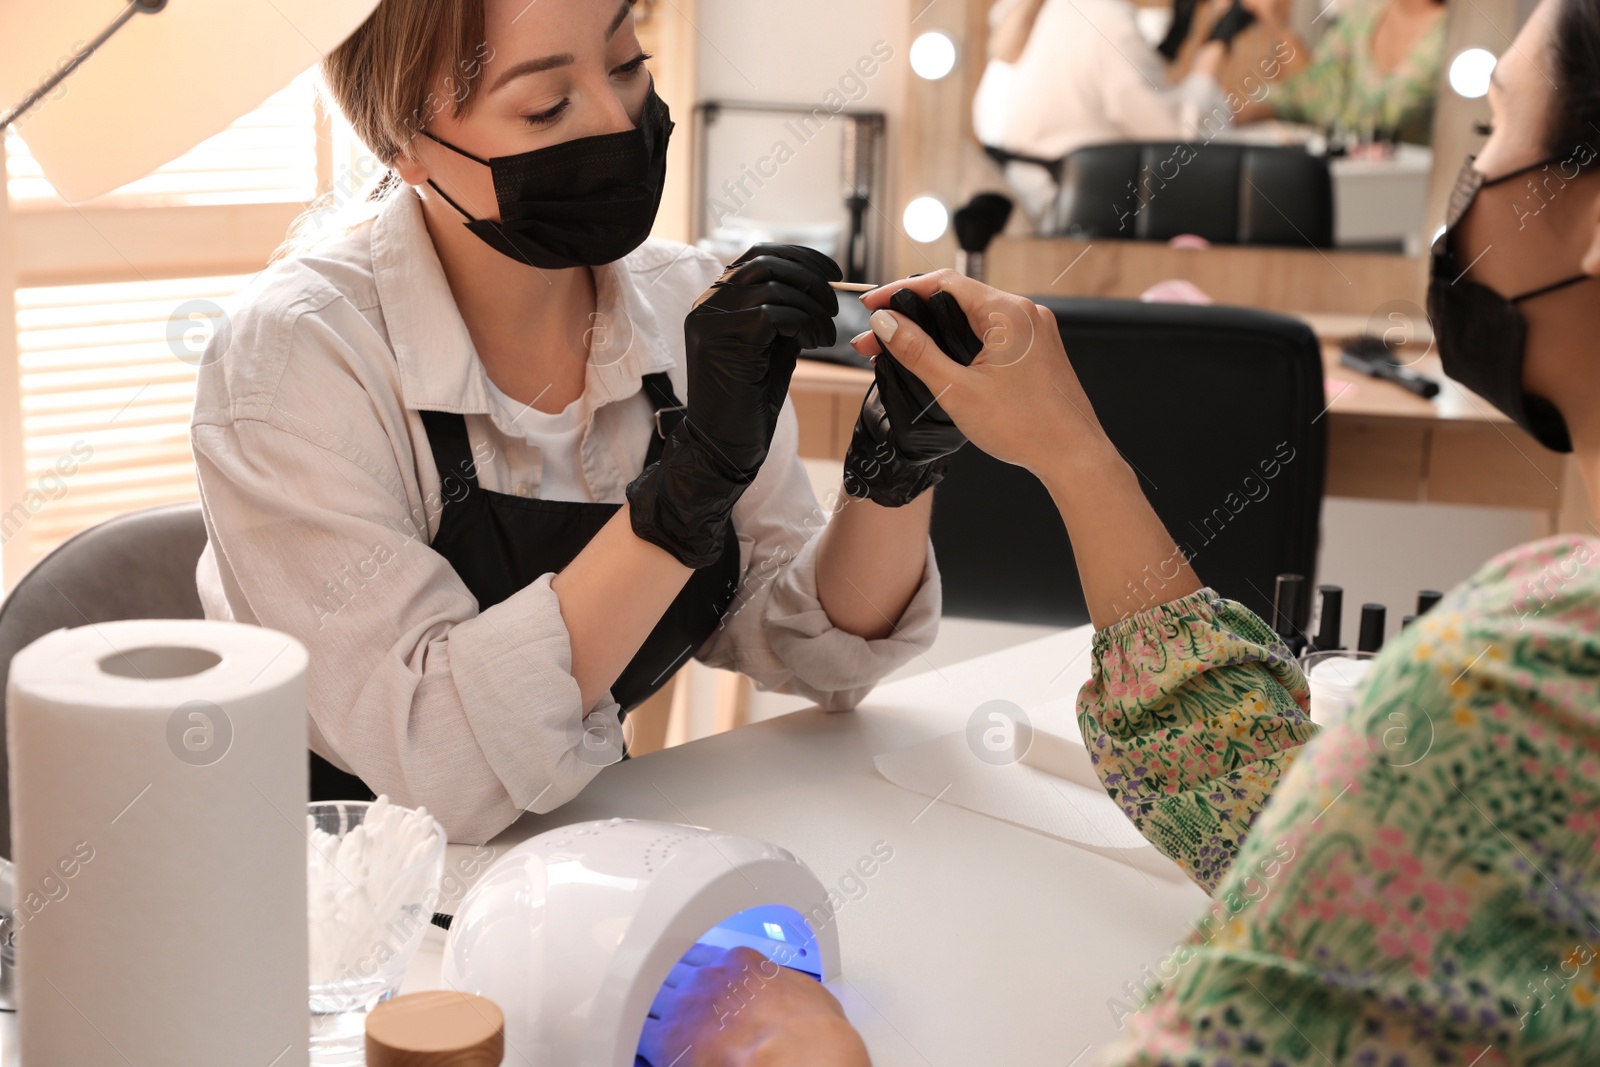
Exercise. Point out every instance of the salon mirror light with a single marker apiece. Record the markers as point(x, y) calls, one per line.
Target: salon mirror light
point(926, 219)
point(1469, 72)
point(933, 55)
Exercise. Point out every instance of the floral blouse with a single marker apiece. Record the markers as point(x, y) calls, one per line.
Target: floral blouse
point(1343, 91)
point(1424, 885)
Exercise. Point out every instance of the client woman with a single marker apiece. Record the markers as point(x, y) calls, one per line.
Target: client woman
point(503, 464)
point(1373, 75)
point(1420, 884)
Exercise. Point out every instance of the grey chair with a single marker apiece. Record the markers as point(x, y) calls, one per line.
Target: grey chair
point(136, 566)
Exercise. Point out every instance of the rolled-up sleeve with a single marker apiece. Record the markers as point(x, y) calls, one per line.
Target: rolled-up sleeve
point(1193, 712)
point(776, 631)
point(315, 531)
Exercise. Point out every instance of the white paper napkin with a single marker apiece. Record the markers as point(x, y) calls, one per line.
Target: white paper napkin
point(1052, 789)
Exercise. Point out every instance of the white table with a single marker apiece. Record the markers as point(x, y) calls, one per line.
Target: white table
point(980, 941)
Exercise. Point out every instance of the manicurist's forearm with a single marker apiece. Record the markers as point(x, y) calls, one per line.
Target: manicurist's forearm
point(1127, 561)
point(870, 562)
point(612, 595)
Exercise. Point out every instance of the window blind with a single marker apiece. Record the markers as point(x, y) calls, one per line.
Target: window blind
point(106, 371)
point(107, 382)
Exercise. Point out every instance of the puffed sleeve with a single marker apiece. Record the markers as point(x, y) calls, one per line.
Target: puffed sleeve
point(1424, 887)
point(776, 631)
point(1192, 713)
point(316, 531)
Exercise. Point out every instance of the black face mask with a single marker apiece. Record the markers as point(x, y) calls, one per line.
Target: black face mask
point(582, 202)
point(1480, 333)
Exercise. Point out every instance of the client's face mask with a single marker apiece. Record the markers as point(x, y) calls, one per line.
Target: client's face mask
point(1480, 333)
point(582, 202)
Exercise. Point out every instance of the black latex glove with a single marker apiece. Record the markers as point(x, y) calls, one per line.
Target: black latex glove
point(903, 438)
point(741, 339)
point(1233, 22)
point(1178, 29)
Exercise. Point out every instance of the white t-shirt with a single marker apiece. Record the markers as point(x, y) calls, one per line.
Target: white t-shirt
point(557, 437)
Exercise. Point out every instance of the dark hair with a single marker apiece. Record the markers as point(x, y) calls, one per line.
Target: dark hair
point(1575, 51)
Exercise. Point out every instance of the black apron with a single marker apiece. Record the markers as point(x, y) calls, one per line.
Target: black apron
point(499, 543)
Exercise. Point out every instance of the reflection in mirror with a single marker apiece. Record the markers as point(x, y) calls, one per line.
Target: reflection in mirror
point(1350, 83)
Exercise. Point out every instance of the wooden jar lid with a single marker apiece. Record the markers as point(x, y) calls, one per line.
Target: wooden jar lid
point(438, 1028)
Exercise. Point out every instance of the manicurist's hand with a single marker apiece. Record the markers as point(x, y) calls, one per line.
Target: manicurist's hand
point(737, 1008)
point(1020, 401)
point(741, 340)
point(902, 441)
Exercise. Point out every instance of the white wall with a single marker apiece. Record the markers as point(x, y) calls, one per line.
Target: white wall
point(1383, 552)
point(795, 53)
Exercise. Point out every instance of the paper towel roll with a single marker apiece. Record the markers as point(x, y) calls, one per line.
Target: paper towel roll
point(158, 792)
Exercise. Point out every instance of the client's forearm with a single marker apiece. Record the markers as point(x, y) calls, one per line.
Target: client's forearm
point(1127, 561)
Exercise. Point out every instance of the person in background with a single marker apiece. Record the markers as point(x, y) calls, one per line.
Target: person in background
point(1373, 75)
point(1085, 75)
point(1418, 883)
point(1010, 23)
point(1262, 51)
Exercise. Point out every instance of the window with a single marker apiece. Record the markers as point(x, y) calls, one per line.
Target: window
point(107, 376)
point(113, 299)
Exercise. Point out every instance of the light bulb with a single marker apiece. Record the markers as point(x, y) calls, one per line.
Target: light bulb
point(1469, 72)
point(933, 55)
point(926, 219)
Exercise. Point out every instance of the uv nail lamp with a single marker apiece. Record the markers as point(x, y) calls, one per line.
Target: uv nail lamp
point(573, 932)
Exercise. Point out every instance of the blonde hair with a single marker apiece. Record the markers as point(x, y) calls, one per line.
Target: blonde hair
point(407, 62)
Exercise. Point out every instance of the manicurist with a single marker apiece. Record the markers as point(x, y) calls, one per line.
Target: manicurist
point(504, 463)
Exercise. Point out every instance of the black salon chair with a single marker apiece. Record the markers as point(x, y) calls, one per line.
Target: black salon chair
point(1218, 409)
point(136, 566)
point(1228, 193)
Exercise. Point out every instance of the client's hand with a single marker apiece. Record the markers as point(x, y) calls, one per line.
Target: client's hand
point(736, 1008)
point(1019, 400)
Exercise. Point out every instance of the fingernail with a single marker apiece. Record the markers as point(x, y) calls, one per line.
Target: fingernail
point(884, 325)
point(858, 338)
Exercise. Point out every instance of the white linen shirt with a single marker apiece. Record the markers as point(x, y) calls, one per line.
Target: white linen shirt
point(321, 499)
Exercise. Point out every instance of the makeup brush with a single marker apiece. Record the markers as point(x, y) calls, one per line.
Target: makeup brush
point(976, 223)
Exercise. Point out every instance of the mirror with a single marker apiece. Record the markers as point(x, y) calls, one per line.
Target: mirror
point(1350, 82)
point(1085, 72)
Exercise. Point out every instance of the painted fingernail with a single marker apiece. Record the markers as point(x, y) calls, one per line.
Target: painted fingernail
point(884, 325)
point(858, 338)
